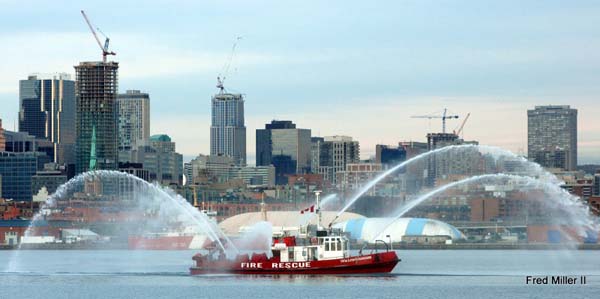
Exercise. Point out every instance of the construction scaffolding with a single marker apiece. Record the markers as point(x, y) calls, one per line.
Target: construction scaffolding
point(96, 89)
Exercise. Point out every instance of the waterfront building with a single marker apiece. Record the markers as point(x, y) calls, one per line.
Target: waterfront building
point(284, 146)
point(133, 109)
point(552, 136)
point(228, 131)
point(96, 88)
point(16, 170)
point(47, 111)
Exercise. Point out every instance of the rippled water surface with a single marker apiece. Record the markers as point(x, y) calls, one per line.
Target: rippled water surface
point(421, 274)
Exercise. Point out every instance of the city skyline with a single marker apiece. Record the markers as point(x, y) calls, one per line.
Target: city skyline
point(380, 72)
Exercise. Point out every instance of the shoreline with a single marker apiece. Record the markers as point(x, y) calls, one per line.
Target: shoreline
point(396, 246)
point(484, 246)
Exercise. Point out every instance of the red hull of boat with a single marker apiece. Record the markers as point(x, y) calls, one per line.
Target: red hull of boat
point(372, 263)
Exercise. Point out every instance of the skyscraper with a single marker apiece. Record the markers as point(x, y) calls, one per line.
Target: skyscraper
point(134, 118)
point(284, 146)
point(552, 136)
point(227, 131)
point(96, 89)
point(47, 111)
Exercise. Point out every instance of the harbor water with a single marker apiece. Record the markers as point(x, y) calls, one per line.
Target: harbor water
point(420, 274)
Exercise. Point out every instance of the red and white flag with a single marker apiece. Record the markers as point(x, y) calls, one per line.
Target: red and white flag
point(311, 209)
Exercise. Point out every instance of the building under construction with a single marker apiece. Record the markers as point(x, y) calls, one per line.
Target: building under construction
point(96, 88)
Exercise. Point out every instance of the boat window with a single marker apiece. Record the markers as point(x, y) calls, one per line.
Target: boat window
point(290, 254)
point(339, 244)
point(304, 252)
point(333, 245)
point(327, 246)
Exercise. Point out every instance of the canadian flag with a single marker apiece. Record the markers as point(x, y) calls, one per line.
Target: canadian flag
point(311, 209)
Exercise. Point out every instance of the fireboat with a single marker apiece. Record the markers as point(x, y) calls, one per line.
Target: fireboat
point(312, 250)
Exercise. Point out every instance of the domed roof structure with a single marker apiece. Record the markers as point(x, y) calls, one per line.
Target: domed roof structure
point(232, 225)
point(371, 229)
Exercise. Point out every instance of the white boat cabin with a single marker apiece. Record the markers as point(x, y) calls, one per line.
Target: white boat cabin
point(316, 248)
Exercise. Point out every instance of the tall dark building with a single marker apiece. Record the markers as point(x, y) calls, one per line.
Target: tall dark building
point(21, 142)
point(284, 146)
point(96, 89)
point(47, 112)
point(22, 156)
point(16, 170)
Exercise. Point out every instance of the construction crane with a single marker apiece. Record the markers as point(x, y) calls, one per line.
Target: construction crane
point(105, 51)
point(443, 117)
point(460, 129)
point(222, 76)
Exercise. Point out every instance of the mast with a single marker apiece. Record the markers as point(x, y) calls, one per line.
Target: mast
point(263, 208)
point(317, 193)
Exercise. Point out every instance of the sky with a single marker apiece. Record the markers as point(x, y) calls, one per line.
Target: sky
point(356, 68)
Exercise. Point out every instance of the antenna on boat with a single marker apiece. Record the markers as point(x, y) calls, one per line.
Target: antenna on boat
point(317, 193)
point(263, 208)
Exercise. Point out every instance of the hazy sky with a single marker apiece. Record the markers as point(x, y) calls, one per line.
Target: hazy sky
point(357, 68)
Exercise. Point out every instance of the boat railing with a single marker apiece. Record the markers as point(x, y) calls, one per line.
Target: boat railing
point(387, 247)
